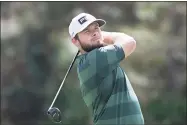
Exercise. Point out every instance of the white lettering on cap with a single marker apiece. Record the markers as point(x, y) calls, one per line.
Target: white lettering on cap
point(82, 20)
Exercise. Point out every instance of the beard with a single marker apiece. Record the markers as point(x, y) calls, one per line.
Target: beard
point(88, 48)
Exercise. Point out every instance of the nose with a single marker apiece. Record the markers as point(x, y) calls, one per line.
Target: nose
point(95, 34)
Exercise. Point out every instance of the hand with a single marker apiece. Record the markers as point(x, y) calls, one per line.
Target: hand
point(107, 38)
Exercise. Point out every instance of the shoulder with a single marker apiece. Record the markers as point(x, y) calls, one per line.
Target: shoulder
point(83, 62)
point(88, 61)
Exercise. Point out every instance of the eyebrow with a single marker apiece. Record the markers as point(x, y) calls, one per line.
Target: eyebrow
point(94, 23)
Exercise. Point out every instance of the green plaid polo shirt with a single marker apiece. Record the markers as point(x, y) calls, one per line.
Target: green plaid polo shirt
point(106, 89)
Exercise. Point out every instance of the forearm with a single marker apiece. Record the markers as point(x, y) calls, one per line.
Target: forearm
point(127, 42)
point(113, 37)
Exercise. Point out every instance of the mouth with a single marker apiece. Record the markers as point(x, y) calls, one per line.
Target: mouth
point(95, 39)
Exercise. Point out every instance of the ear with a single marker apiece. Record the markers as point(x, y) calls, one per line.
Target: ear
point(75, 42)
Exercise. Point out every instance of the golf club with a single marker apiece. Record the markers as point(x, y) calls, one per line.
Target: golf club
point(53, 112)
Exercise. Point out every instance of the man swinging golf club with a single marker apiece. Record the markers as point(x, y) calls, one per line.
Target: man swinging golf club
point(105, 87)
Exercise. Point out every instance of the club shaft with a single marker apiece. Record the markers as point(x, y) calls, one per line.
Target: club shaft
point(63, 80)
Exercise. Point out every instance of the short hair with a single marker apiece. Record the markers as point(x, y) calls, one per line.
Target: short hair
point(76, 37)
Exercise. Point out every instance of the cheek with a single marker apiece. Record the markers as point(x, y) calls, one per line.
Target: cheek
point(100, 34)
point(85, 39)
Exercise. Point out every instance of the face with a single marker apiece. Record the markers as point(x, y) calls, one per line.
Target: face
point(90, 38)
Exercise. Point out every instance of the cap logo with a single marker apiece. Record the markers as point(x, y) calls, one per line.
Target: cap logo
point(73, 33)
point(82, 20)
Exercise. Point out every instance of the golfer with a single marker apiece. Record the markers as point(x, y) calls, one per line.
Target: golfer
point(105, 87)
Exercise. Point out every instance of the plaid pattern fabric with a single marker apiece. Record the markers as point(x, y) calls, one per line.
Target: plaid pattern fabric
point(106, 89)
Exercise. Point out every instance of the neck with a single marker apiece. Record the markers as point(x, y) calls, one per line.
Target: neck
point(82, 52)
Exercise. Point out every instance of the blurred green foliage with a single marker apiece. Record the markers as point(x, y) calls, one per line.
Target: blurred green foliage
point(36, 52)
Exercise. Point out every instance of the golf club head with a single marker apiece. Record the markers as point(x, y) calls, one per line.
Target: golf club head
point(54, 114)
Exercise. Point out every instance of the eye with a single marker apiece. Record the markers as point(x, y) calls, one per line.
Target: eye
point(86, 31)
point(97, 27)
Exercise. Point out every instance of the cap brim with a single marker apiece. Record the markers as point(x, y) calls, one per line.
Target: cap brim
point(101, 22)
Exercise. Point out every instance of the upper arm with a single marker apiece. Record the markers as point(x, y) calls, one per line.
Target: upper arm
point(106, 59)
